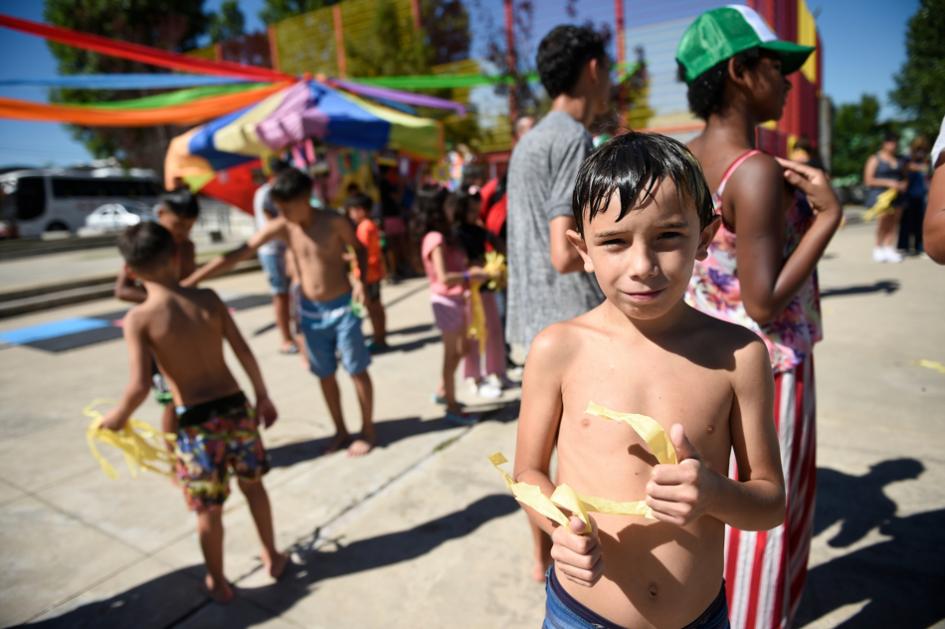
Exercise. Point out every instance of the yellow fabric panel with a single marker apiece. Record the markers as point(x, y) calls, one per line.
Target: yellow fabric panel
point(807, 36)
point(306, 43)
point(207, 52)
point(357, 17)
point(463, 66)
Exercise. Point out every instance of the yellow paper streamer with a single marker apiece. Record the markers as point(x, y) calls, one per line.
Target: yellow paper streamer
point(883, 205)
point(933, 365)
point(495, 266)
point(497, 270)
point(564, 496)
point(142, 445)
point(648, 428)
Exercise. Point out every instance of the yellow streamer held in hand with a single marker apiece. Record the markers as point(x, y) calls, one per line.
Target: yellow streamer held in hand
point(495, 267)
point(143, 446)
point(883, 205)
point(564, 496)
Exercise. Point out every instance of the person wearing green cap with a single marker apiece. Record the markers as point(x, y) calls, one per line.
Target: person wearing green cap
point(777, 219)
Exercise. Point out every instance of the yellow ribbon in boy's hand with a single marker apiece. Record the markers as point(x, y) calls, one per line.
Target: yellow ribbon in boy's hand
point(141, 444)
point(564, 496)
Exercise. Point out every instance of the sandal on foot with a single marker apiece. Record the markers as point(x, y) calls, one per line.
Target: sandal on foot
point(461, 419)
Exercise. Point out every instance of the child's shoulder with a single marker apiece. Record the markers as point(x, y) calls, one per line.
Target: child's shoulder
point(726, 339)
point(562, 339)
point(205, 298)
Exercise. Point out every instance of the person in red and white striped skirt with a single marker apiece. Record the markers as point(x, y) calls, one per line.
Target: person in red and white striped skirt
point(735, 69)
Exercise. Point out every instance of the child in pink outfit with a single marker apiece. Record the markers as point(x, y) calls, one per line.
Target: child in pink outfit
point(447, 269)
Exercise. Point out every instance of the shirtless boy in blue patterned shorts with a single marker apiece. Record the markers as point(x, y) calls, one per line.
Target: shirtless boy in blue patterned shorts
point(217, 434)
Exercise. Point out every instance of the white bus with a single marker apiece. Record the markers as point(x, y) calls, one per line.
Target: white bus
point(37, 201)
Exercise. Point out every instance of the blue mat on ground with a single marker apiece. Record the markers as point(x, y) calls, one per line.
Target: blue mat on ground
point(76, 332)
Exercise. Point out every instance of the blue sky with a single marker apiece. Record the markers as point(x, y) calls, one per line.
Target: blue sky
point(864, 46)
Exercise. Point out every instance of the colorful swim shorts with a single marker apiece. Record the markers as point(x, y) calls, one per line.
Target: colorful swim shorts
point(215, 440)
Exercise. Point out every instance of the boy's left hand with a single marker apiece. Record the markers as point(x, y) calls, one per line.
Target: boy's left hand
point(357, 291)
point(679, 494)
point(266, 411)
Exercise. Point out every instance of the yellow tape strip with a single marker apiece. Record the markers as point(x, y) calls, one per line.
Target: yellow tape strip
point(141, 444)
point(934, 365)
point(564, 496)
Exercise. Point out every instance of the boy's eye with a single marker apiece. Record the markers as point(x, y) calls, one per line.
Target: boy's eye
point(612, 243)
point(670, 235)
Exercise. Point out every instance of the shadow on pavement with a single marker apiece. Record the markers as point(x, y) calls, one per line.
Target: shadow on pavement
point(901, 578)
point(388, 431)
point(413, 329)
point(881, 286)
point(146, 605)
point(414, 345)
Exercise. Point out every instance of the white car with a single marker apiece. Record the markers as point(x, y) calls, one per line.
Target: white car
point(116, 216)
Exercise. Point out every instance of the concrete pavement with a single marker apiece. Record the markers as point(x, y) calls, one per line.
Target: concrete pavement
point(421, 532)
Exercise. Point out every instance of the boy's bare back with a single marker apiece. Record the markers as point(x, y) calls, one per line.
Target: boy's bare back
point(668, 573)
point(185, 329)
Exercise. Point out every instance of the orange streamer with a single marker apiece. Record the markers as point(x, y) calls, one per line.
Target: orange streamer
point(184, 114)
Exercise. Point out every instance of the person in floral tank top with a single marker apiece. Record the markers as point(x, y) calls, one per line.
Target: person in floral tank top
point(777, 218)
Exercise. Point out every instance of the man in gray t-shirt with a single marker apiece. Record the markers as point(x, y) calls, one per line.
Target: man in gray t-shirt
point(547, 282)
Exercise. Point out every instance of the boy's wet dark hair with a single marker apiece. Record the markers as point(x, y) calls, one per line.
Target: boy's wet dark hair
point(634, 164)
point(146, 246)
point(707, 90)
point(290, 184)
point(358, 199)
point(181, 202)
point(563, 53)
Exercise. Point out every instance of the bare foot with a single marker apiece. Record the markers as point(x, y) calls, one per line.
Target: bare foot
point(339, 441)
point(220, 592)
point(361, 446)
point(276, 564)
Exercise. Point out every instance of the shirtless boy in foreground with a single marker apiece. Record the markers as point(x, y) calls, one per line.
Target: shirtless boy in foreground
point(217, 432)
point(644, 215)
point(176, 211)
point(318, 241)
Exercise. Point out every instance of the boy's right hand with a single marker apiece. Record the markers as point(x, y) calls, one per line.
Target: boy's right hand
point(266, 411)
point(576, 552)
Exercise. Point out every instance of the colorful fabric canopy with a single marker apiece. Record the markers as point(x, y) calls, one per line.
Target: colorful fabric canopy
point(308, 109)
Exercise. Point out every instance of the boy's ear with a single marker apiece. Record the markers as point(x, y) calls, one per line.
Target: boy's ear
point(577, 241)
point(706, 236)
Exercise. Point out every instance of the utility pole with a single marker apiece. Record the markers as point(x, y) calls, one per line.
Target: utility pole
point(512, 61)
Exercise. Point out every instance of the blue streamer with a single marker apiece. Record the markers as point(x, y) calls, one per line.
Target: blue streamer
point(123, 81)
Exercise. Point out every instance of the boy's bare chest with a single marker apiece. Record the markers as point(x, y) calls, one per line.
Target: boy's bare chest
point(315, 244)
point(669, 389)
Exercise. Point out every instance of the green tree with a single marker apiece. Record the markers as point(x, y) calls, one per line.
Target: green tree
point(275, 10)
point(920, 83)
point(228, 23)
point(856, 134)
point(165, 24)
